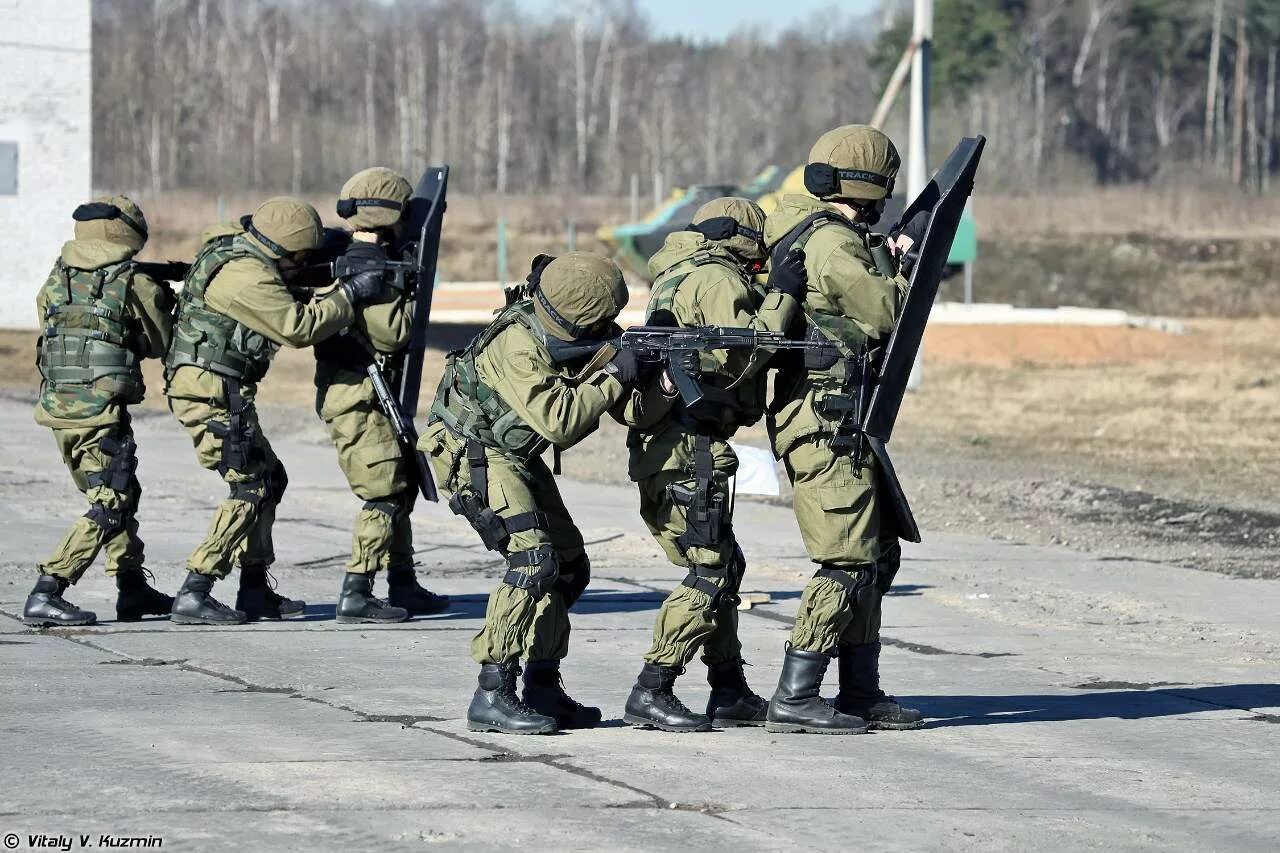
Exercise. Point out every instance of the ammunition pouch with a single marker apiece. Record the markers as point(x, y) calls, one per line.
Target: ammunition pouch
point(472, 503)
point(118, 476)
point(539, 582)
point(574, 575)
point(111, 521)
point(816, 358)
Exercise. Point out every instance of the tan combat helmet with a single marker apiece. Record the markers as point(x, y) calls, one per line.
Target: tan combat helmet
point(578, 291)
point(853, 162)
point(373, 198)
point(737, 223)
point(284, 226)
point(116, 219)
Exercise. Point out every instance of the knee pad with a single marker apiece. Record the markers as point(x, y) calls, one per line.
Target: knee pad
point(111, 521)
point(251, 491)
point(574, 576)
point(278, 481)
point(392, 506)
point(546, 565)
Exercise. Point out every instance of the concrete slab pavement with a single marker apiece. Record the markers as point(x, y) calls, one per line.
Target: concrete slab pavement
point(1074, 703)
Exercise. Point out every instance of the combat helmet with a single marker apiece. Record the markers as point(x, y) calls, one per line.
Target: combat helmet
point(737, 223)
point(576, 292)
point(284, 226)
point(373, 198)
point(855, 162)
point(116, 219)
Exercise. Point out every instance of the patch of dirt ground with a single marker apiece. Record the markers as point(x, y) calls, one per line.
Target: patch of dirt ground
point(1129, 443)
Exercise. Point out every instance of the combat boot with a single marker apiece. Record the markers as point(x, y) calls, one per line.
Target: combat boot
point(495, 707)
point(544, 693)
point(732, 703)
point(357, 604)
point(136, 598)
point(195, 604)
point(796, 705)
point(257, 598)
point(403, 590)
point(860, 691)
point(46, 607)
point(653, 704)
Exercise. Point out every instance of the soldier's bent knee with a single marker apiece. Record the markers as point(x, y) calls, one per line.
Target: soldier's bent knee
point(251, 491)
point(111, 521)
point(574, 576)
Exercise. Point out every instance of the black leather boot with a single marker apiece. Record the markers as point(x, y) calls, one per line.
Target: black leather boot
point(653, 704)
point(495, 707)
point(257, 598)
point(860, 692)
point(136, 598)
point(732, 703)
point(46, 607)
point(544, 693)
point(357, 604)
point(403, 590)
point(195, 604)
point(797, 707)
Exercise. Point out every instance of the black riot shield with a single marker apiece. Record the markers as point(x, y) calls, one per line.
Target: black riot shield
point(398, 392)
point(931, 219)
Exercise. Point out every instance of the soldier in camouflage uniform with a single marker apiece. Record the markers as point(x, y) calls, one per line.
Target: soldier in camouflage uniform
point(521, 386)
point(838, 500)
point(101, 316)
point(682, 460)
point(235, 311)
point(372, 203)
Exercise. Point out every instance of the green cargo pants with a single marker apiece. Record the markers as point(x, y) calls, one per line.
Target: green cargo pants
point(241, 527)
point(517, 624)
point(82, 451)
point(838, 510)
point(370, 457)
point(689, 618)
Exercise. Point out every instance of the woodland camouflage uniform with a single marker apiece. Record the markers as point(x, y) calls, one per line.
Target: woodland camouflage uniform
point(100, 317)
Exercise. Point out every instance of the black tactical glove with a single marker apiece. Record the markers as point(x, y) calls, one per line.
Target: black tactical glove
point(788, 275)
point(370, 284)
point(625, 366)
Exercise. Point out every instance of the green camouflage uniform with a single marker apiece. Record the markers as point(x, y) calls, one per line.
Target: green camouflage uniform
point(836, 501)
point(234, 313)
point(101, 317)
point(702, 284)
point(500, 405)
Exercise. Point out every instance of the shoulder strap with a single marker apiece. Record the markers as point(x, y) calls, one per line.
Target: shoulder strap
point(663, 293)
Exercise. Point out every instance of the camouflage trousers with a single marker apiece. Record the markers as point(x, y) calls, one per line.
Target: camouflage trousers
point(240, 531)
point(837, 506)
point(529, 623)
point(370, 457)
point(110, 525)
point(691, 618)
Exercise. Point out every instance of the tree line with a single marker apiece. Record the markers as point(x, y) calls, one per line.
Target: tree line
point(297, 94)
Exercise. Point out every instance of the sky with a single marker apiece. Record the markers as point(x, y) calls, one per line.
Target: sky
point(714, 19)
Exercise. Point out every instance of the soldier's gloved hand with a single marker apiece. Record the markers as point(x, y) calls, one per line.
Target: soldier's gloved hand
point(625, 366)
point(788, 275)
point(365, 287)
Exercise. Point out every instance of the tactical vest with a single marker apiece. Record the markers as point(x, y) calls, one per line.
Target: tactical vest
point(471, 409)
point(88, 354)
point(209, 339)
point(738, 403)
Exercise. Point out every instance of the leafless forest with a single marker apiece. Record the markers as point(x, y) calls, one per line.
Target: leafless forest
point(293, 95)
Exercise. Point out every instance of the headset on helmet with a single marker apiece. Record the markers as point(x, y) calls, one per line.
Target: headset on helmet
point(105, 210)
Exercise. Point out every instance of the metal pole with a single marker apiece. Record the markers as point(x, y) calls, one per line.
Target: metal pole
point(968, 283)
point(502, 251)
point(918, 137)
point(573, 235)
point(222, 209)
point(635, 197)
point(657, 189)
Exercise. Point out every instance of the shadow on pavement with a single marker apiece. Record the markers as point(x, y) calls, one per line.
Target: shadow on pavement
point(948, 711)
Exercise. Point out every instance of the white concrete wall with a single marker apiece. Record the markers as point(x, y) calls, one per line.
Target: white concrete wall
point(45, 107)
